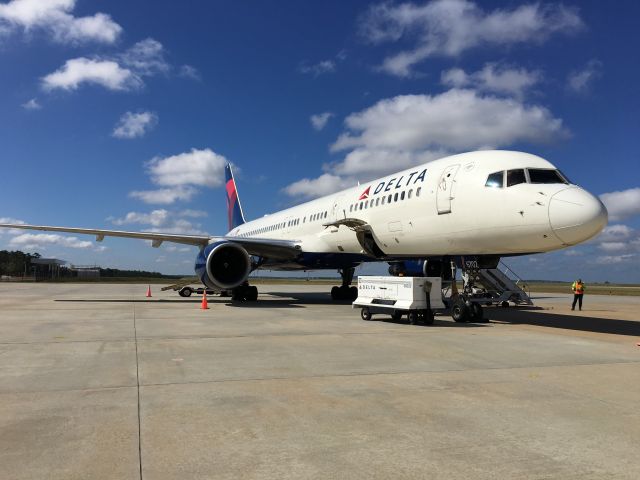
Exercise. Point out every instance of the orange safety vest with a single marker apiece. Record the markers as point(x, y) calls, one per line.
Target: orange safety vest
point(578, 288)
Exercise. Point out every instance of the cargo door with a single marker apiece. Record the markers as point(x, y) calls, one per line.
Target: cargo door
point(446, 189)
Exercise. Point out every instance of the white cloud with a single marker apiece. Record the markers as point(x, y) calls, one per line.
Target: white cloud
point(622, 204)
point(365, 163)
point(11, 231)
point(616, 259)
point(163, 221)
point(165, 196)
point(134, 125)
point(120, 72)
point(407, 130)
point(316, 69)
point(613, 246)
point(188, 71)
point(55, 18)
point(156, 218)
point(77, 71)
point(40, 240)
point(615, 233)
point(317, 187)
point(619, 239)
point(451, 27)
point(146, 58)
point(319, 121)
point(179, 175)
point(456, 119)
point(193, 213)
point(580, 81)
point(197, 167)
point(32, 105)
point(493, 78)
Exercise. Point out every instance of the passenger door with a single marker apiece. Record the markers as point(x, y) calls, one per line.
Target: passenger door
point(446, 189)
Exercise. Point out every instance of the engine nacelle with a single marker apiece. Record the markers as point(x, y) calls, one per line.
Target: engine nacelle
point(408, 268)
point(223, 265)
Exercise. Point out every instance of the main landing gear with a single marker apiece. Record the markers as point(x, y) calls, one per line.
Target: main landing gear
point(463, 308)
point(244, 292)
point(345, 291)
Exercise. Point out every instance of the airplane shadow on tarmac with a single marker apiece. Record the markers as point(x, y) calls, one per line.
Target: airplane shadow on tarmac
point(529, 316)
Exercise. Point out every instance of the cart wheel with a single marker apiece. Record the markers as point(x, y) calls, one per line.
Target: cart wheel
point(413, 318)
point(365, 314)
point(185, 292)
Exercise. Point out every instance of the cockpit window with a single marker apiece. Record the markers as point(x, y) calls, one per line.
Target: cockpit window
point(538, 175)
point(495, 180)
point(514, 177)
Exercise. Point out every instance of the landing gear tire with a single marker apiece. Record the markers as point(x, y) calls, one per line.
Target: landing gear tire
point(335, 293)
point(427, 317)
point(344, 293)
point(365, 314)
point(460, 311)
point(185, 292)
point(477, 314)
point(244, 293)
point(504, 304)
point(396, 316)
point(252, 294)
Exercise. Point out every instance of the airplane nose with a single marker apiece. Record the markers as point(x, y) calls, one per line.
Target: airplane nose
point(575, 215)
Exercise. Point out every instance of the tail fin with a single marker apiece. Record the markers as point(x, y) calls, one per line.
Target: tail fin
point(234, 209)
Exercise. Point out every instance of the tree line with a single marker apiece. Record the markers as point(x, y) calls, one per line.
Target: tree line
point(18, 263)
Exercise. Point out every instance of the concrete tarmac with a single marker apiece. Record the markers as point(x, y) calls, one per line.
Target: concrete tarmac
point(99, 382)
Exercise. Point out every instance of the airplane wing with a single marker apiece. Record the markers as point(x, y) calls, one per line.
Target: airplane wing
point(156, 238)
point(263, 247)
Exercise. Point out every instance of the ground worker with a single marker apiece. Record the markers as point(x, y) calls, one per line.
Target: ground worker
point(578, 292)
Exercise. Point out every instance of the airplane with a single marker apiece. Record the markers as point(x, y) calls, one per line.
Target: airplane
point(465, 210)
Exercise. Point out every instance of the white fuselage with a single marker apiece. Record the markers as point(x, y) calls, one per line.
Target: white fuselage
point(445, 207)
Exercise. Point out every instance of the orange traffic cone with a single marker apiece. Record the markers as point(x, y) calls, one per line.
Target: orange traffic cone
point(205, 305)
point(149, 291)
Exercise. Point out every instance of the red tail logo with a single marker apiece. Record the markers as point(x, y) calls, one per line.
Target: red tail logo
point(365, 194)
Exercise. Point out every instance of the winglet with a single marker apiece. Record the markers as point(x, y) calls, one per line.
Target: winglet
point(235, 216)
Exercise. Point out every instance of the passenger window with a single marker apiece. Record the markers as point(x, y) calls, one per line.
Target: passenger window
point(410, 192)
point(389, 198)
point(382, 203)
point(515, 177)
point(538, 175)
point(418, 191)
point(402, 195)
point(495, 180)
point(377, 201)
point(351, 207)
point(395, 197)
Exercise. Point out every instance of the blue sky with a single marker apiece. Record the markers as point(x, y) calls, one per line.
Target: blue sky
point(121, 115)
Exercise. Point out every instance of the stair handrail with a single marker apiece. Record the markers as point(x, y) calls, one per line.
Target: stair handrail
point(525, 285)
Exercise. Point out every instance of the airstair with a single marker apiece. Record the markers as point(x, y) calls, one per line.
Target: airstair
point(503, 285)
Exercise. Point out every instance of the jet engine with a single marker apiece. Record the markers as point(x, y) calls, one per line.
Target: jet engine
point(432, 267)
point(223, 265)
